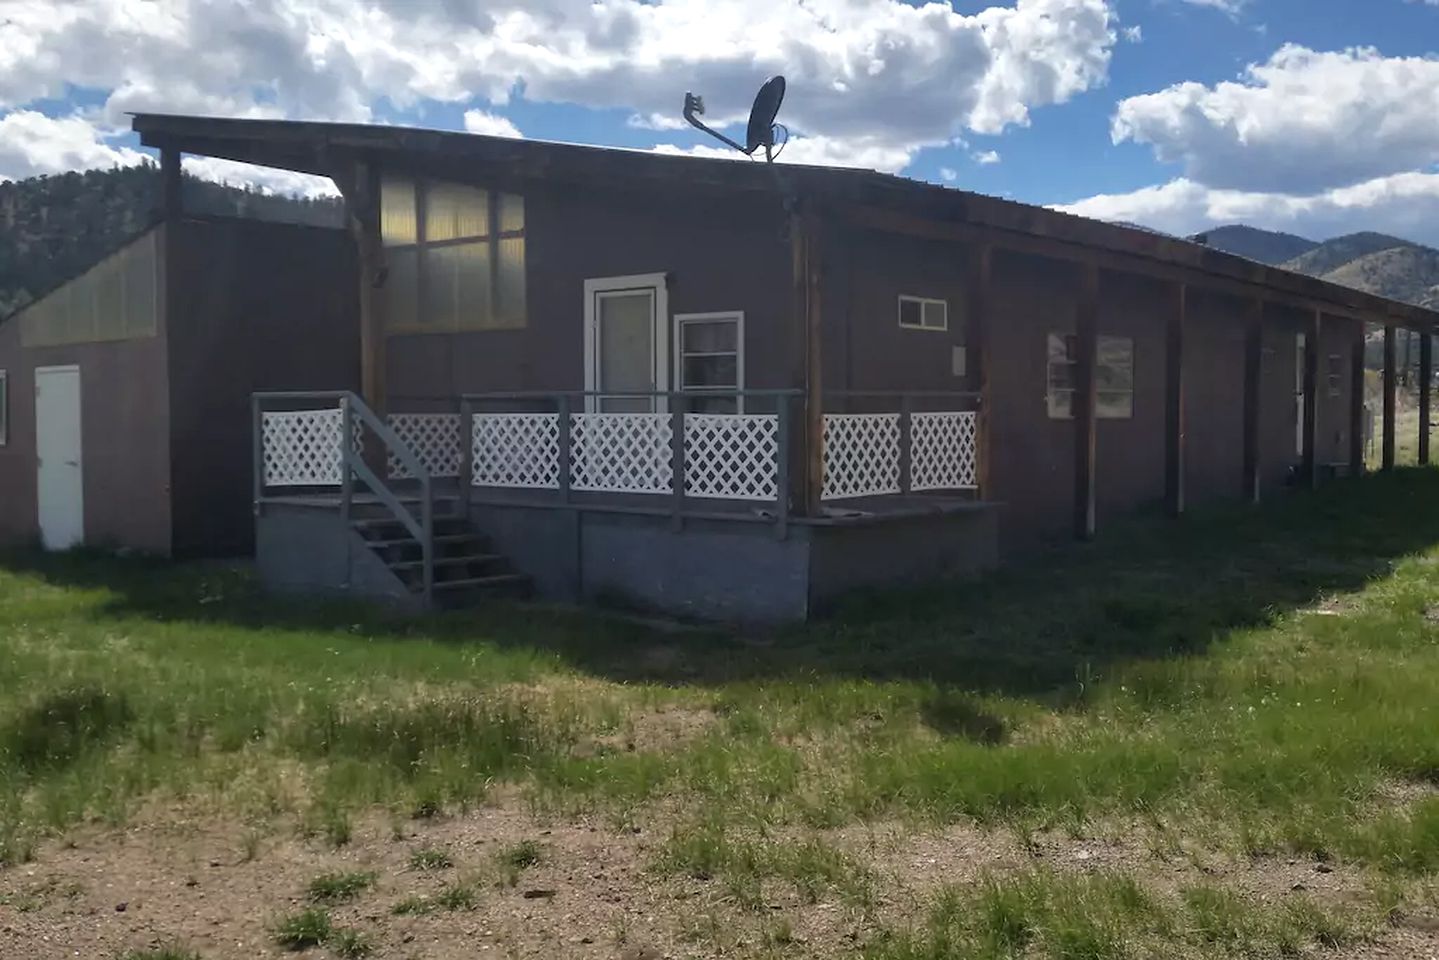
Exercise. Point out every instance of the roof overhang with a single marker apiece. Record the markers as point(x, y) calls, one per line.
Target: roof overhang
point(880, 201)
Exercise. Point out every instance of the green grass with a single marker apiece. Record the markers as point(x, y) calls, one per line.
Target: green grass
point(1048, 915)
point(171, 952)
point(350, 944)
point(430, 858)
point(301, 931)
point(338, 887)
point(517, 858)
point(1256, 682)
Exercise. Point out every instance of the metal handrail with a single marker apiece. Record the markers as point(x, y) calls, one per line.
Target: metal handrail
point(353, 465)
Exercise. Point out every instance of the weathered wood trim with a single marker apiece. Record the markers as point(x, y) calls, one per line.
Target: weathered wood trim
point(1083, 404)
point(1309, 469)
point(1389, 391)
point(1253, 375)
point(813, 367)
point(1426, 379)
point(1174, 401)
point(1357, 420)
point(979, 300)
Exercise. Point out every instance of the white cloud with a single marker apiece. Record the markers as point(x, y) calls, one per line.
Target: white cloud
point(266, 179)
point(1405, 204)
point(948, 174)
point(817, 151)
point(1230, 7)
point(1134, 34)
point(987, 158)
point(490, 124)
point(861, 72)
point(1302, 122)
point(32, 144)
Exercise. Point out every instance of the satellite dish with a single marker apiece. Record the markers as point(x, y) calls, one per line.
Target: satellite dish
point(762, 128)
point(762, 114)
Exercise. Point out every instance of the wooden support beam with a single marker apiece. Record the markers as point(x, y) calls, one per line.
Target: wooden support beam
point(1174, 402)
point(1253, 374)
point(1310, 467)
point(981, 267)
point(1357, 422)
point(1426, 378)
point(360, 184)
point(1389, 384)
point(807, 272)
point(171, 202)
point(1084, 404)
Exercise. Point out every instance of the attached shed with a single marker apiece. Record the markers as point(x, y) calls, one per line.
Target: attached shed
point(129, 386)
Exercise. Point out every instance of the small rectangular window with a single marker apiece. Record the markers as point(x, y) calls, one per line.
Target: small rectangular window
point(1334, 376)
point(921, 313)
point(4, 408)
point(1113, 374)
point(709, 359)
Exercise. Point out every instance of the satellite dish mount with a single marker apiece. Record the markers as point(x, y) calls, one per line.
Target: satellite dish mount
point(762, 130)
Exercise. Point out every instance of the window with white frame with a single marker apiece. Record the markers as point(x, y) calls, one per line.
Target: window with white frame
point(922, 313)
point(709, 361)
point(1113, 374)
point(4, 408)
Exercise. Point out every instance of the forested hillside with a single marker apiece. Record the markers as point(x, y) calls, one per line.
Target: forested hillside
point(51, 228)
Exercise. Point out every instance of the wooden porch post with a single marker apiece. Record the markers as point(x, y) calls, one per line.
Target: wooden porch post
point(1084, 402)
point(1389, 383)
point(170, 184)
point(805, 254)
point(171, 210)
point(1174, 402)
point(359, 182)
point(981, 266)
point(1426, 376)
point(1253, 373)
point(1356, 401)
point(1310, 467)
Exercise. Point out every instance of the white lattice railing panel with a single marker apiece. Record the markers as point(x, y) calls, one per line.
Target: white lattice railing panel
point(516, 450)
point(621, 452)
point(943, 453)
point(301, 448)
point(731, 456)
point(434, 438)
point(861, 455)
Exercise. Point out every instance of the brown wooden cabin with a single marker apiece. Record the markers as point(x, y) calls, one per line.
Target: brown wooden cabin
point(858, 379)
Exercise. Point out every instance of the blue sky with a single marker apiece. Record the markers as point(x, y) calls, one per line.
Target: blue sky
point(1318, 116)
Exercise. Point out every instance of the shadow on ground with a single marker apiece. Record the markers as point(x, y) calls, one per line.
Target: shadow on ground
point(1148, 588)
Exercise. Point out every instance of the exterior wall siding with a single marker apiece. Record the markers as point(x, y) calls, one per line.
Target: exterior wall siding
point(260, 306)
point(718, 258)
point(125, 415)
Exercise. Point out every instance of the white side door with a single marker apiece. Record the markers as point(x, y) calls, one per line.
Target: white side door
point(627, 342)
point(61, 490)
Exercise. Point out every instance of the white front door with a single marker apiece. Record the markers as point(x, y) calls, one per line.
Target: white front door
point(61, 491)
point(626, 342)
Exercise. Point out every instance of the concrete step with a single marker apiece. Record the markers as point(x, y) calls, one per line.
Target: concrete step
point(445, 562)
point(461, 593)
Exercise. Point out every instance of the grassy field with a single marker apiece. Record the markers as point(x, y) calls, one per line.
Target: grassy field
point(1216, 737)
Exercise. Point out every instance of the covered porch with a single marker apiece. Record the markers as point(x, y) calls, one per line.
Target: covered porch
point(655, 505)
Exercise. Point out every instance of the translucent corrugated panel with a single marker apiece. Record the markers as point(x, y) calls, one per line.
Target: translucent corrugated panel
point(397, 211)
point(459, 286)
point(141, 283)
point(109, 284)
point(454, 211)
point(402, 290)
point(510, 290)
point(512, 212)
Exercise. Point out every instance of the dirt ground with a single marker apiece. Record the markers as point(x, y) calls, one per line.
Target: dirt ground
point(169, 879)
